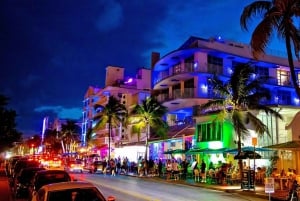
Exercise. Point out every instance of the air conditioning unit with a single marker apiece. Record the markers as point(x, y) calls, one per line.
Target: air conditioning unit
point(124, 99)
point(124, 135)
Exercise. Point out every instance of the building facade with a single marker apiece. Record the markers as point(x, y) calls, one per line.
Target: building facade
point(130, 91)
point(180, 81)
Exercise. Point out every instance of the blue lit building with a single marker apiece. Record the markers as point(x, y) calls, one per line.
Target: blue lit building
point(180, 81)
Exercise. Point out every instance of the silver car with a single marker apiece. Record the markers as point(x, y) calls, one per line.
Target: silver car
point(71, 191)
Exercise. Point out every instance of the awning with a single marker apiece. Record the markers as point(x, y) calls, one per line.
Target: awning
point(290, 145)
point(175, 151)
point(247, 148)
point(205, 151)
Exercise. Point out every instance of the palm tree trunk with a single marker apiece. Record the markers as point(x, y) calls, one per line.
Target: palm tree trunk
point(147, 136)
point(109, 136)
point(292, 67)
point(240, 161)
point(62, 146)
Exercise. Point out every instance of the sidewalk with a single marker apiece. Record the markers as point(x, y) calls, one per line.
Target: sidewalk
point(4, 187)
point(259, 191)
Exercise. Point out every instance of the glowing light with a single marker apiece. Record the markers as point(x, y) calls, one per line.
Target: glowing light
point(129, 80)
point(229, 70)
point(296, 100)
point(195, 64)
point(204, 88)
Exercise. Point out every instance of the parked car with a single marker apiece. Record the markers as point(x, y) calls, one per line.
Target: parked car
point(20, 164)
point(45, 177)
point(23, 179)
point(73, 191)
point(74, 166)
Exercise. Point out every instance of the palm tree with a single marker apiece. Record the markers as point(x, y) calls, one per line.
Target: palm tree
point(112, 113)
point(69, 135)
point(51, 142)
point(240, 97)
point(278, 17)
point(149, 115)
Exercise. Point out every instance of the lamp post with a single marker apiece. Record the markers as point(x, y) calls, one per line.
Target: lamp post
point(254, 143)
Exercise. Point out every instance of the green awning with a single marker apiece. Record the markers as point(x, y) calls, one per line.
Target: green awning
point(175, 151)
point(205, 151)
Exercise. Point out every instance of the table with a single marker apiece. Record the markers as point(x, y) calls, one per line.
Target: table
point(283, 182)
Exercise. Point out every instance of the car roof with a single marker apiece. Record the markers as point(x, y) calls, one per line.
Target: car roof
point(52, 172)
point(68, 185)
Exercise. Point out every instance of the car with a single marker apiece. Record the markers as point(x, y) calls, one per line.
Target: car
point(96, 167)
point(45, 177)
point(20, 164)
point(55, 162)
point(23, 179)
point(74, 166)
point(71, 191)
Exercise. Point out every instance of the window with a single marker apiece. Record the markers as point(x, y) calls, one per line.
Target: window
point(214, 65)
point(210, 131)
point(177, 69)
point(283, 77)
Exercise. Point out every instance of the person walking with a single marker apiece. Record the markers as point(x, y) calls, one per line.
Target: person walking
point(203, 171)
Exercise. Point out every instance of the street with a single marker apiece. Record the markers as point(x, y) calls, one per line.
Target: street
point(126, 188)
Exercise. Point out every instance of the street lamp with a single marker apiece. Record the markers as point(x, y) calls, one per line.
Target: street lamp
point(254, 143)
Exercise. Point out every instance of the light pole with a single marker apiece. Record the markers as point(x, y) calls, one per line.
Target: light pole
point(254, 143)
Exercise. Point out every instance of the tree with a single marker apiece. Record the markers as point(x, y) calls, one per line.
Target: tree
point(278, 17)
point(52, 142)
point(240, 97)
point(112, 113)
point(69, 135)
point(149, 115)
point(34, 142)
point(8, 131)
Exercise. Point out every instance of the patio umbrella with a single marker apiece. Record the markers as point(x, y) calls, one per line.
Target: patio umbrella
point(247, 155)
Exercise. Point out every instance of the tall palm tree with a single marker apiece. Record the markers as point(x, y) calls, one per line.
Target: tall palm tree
point(241, 96)
point(51, 142)
point(278, 17)
point(69, 135)
point(149, 115)
point(112, 113)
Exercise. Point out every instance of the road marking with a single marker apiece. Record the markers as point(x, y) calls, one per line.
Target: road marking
point(131, 193)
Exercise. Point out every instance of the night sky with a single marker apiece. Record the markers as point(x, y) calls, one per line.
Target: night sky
point(53, 50)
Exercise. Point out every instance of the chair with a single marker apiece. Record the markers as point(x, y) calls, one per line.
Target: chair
point(197, 175)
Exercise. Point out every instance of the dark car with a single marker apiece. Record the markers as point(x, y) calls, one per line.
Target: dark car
point(20, 164)
point(45, 177)
point(23, 181)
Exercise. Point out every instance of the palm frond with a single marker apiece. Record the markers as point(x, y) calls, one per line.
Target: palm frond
point(259, 127)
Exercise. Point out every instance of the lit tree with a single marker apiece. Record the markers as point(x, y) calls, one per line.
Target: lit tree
point(148, 115)
point(241, 96)
point(113, 113)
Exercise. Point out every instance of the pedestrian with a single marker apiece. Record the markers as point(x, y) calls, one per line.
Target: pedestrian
point(184, 165)
point(160, 165)
point(203, 171)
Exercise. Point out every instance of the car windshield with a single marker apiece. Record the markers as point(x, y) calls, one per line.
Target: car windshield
point(83, 194)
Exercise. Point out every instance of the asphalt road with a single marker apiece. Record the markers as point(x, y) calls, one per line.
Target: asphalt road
point(126, 188)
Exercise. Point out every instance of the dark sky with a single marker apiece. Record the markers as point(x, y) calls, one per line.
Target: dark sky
point(52, 50)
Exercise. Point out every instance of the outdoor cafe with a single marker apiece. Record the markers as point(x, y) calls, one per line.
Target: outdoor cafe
point(221, 164)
